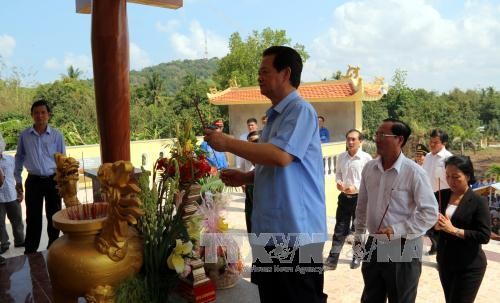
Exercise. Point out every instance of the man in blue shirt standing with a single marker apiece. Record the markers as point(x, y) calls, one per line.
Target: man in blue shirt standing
point(216, 159)
point(35, 150)
point(289, 214)
point(324, 134)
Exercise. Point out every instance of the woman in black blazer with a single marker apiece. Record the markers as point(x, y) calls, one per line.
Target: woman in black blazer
point(464, 224)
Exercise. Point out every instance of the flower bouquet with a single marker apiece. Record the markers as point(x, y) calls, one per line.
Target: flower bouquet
point(221, 253)
point(186, 157)
point(170, 226)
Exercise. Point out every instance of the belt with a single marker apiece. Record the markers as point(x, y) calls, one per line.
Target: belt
point(41, 177)
point(350, 196)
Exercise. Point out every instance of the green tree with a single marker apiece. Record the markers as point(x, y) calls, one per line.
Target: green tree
point(373, 114)
point(195, 90)
point(154, 86)
point(72, 74)
point(494, 171)
point(243, 61)
point(73, 110)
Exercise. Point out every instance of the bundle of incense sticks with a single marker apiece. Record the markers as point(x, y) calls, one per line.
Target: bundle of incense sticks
point(87, 211)
point(439, 194)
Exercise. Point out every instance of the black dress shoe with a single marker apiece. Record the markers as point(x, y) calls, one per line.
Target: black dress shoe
point(3, 249)
point(19, 245)
point(2, 260)
point(330, 266)
point(331, 262)
point(355, 263)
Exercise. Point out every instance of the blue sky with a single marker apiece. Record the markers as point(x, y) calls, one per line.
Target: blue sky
point(442, 44)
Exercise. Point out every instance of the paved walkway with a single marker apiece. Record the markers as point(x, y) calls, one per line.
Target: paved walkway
point(342, 285)
point(345, 285)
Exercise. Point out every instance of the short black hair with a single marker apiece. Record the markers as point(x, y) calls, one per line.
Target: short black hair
point(255, 134)
point(250, 120)
point(399, 128)
point(441, 134)
point(41, 102)
point(353, 130)
point(284, 57)
point(464, 164)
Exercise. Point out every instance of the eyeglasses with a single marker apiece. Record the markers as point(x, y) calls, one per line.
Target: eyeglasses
point(382, 135)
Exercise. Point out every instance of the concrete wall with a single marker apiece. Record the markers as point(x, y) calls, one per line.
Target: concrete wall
point(89, 156)
point(238, 115)
point(339, 117)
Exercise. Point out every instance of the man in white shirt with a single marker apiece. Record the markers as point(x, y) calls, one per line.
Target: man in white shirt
point(434, 161)
point(434, 167)
point(348, 178)
point(241, 163)
point(397, 206)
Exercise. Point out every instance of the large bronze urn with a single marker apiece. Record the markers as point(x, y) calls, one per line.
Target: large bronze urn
point(99, 249)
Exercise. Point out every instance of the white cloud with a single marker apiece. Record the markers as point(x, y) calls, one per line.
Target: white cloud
point(438, 52)
point(138, 57)
point(167, 27)
point(52, 63)
point(192, 44)
point(82, 62)
point(7, 45)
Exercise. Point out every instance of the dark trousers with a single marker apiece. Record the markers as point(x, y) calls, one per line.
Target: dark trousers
point(461, 285)
point(248, 206)
point(394, 279)
point(293, 280)
point(14, 213)
point(345, 208)
point(38, 188)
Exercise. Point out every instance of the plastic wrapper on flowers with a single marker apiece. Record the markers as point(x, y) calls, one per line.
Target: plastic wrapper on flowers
point(221, 253)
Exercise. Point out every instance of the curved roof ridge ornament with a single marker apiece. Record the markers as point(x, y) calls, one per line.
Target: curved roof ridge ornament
point(352, 74)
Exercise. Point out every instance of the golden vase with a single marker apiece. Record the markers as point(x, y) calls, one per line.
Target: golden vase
point(99, 248)
point(78, 269)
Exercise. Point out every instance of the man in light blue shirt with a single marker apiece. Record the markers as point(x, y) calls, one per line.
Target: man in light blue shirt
point(289, 214)
point(9, 204)
point(35, 150)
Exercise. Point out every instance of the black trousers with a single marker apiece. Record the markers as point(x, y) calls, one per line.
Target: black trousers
point(461, 285)
point(290, 280)
point(387, 277)
point(248, 207)
point(38, 188)
point(345, 208)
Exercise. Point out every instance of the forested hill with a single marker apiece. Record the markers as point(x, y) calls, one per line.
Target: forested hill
point(172, 73)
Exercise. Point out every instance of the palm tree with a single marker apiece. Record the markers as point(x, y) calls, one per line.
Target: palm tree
point(494, 171)
point(72, 74)
point(154, 87)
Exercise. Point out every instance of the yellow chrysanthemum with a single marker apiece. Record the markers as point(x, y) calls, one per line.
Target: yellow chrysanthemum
point(176, 258)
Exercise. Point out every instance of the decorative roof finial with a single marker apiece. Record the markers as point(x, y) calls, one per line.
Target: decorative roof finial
point(352, 72)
